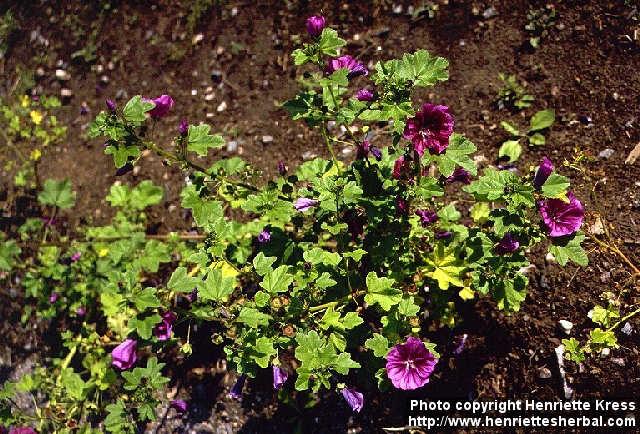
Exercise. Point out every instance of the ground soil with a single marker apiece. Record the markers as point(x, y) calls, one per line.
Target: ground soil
point(586, 68)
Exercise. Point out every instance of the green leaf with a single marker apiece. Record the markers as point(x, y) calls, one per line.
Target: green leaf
point(574, 350)
point(380, 291)
point(205, 212)
point(144, 325)
point(300, 57)
point(479, 212)
point(423, 69)
point(428, 188)
point(541, 120)
point(407, 307)
point(253, 317)
point(145, 194)
point(606, 338)
point(318, 256)
point(457, 154)
point(330, 42)
point(121, 154)
point(491, 184)
point(200, 141)
point(180, 281)
point(510, 128)
point(555, 186)
point(378, 344)
point(537, 139)
point(444, 267)
point(135, 109)
point(57, 193)
point(511, 149)
point(73, 384)
point(277, 280)
point(146, 299)
point(216, 287)
point(9, 250)
point(264, 352)
point(569, 249)
point(262, 264)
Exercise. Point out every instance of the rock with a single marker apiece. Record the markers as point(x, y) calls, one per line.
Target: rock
point(605, 276)
point(568, 391)
point(121, 94)
point(397, 9)
point(267, 139)
point(194, 92)
point(216, 76)
point(627, 329)
point(605, 352)
point(66, 93)
point(210, 97)
point(222, 107)
point(544, 373)
point(40, 72)
point(606, 153)
point(489, 13)
point(104, 79)
point(308, 155)
point(62, 75)
point(197, 39)
point(618, 361)
point(232, 146)
point(585, 119)
point(633, 155)
point(566, 325)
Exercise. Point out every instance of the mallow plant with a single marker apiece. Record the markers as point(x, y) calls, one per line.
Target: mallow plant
point(330, 276)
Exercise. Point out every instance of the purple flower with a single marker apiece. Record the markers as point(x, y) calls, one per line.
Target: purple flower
point(460, 343)
point(402, 206)
point(315, 25)
point(264, 236)
point(163, 329)
point(111, 105)
point(193, 296)
point(430, 129)
point(427, 216)
point(354, 398)
point(402, 168)
point(279, 377)
point(354, 67)
point(22, 430)
point(163, 103)
point(180, 405)
point(53, 297)
point(460, 175)
point(236, 390)
point(365, 95)
point(124, 355)
point(543, 172)
point(304, 203)
point(409, 365)
point(376, 153)
point(282, 168)
point(508, 244)
point(362, 151)
point(81, 311)
point(562, 218)
point(441, 235)
point(76, 257)
point(183, 128)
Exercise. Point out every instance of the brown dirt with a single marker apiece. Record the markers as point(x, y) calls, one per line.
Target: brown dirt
point(584, 68)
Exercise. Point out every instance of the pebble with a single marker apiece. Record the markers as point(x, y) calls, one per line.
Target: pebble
point(489, 13)
point(605, 352)
point(63, 75)
point(222, 106)
point(194, 92)
point(618, 361)
point(66, 93)
point(121, 94)
point(566, 325)
point(197, 39)
point(40, 72)
point(210, 97)
point(267, 139)
point(308, 155)
point(397, 9)
point(544, 373)
point(216, 76)
point(104, 79)
point(606, 153)
point(232, 146)
point(585, 119)
point(627, 329)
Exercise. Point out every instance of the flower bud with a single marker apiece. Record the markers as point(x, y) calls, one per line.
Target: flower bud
point(315, 25)
point(111, 105)
point(183, 128)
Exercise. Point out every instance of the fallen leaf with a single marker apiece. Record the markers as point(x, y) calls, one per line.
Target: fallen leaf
point(633, 155)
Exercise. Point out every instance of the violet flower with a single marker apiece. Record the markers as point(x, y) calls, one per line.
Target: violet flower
point(22, 430)
point(402, 206)
point(441, 235)
point(315, 25)
point(192, 296)
point(280, 377)
point(163, 103)
point(163, 329)
point(111, 105)
point(76, 257)
point(430, 129)
point(236, 390)
point(81, 311)
point(427, 216)
point(562, 218)
point(354, 398)
point(53, 297)
point(402, 168)
point(363, 148)
point(282, 168)
point(460, 343)
point(354, 67)
point(264, 237)
point(304, 203)
point(410, 364)
point(364, 95)
point(543, 172)
point(124, 355)
point(508, 244)
point(180, 405)
point(460, 175)
point(183, 127)
point(377, 153)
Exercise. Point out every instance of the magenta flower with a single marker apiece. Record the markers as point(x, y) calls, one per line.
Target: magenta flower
point(508, 244)
point(315, 25)
point(354, 398)
point(543, 172)
point(402, 168)
point(430, 129)
point(53, 297)
point(163, 330)
point(460, 175)
point(236, 390)
point(279, 377)
point(183, 127)
point(427, 216)
point(364, 95)
point(363, 148)
point(163, 103)
point(402, 206)
point(111, 105)
point(282, 168)
point(377, 153)
point(409, 365)
point(76, 257)
point(180, 405)
point(124, 355)
point(81, 311)
point(354, 67)
point(562, 218)
point(304, 203)
point(22, 430)
point(192, 296)
point(264, 237)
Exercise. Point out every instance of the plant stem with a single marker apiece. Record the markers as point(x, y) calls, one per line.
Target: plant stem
point(334, 303)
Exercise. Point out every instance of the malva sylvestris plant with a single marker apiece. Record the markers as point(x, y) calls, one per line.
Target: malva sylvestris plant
point(337, 268)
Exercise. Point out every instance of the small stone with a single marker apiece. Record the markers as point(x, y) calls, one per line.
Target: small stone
point(210, 97)
point(605, 276)
point(627, 329)
point(40, 72)
point(234, 11)
point(194, 92)
point(544, 373)
point(111, 66)
point(397, 9)
point(62, 75)
point(197, 39)
point(210, 115)
point(606, 153)
point(267, 139)
point(566, 325)
point(489, 13)
point(232, 146)
point(308, 155)
point(216, 76)
point(550, 258)
point(605, 352)
point(585, 119)
point(104, 79)
point(222, 107)
point(618, 361)
point(121, 94)
point(66, 93)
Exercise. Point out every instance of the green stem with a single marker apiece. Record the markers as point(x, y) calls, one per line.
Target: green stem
point(623, 319)
point(334, 303)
